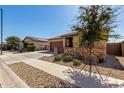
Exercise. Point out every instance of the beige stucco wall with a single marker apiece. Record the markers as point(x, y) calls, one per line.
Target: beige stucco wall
point(38, 45)
point(100, 44)
point(63, 41)
point(97, 44)
point(75, 41)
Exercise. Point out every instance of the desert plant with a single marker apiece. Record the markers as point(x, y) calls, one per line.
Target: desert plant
point(63, 55)
point(29, 43)
point(77, 62)
point(30, 47)
point(101, 59)
point(57, 58)
point(67, 58)
point(25, 44)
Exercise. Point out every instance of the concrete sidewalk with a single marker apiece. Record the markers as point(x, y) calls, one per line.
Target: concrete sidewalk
point(8, 79)
point(80, 79)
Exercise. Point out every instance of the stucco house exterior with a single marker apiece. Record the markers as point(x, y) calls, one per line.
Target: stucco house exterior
point(68, 43)
point(60, 42)
point(40, 43)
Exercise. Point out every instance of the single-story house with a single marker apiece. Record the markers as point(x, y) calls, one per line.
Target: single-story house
point(66, 40)
point(4, 46)
point(69, 42)
point(40, 43)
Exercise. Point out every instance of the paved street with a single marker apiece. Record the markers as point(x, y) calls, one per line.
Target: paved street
point(66, 73)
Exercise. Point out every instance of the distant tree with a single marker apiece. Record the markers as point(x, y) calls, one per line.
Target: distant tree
point(13, 42)
point(95, 23)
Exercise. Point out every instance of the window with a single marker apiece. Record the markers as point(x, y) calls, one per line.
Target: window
point(69, 42)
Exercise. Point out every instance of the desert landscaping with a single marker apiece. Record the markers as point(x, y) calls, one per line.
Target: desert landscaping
point(113, 67)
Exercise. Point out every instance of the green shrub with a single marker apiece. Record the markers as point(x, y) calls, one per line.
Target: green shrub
point(57, 58)
point(30, 47)
point(77, 62)
point(30, 43)
point(101, 59)
point(63, 55)
point(67, 58)
point(37, 49)
point(25, 44)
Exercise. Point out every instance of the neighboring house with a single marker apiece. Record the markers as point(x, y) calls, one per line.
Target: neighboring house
point(68, 42)
point(4, 46)
point(40, 43)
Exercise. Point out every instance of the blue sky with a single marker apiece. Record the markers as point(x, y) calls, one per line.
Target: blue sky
point(43, 21)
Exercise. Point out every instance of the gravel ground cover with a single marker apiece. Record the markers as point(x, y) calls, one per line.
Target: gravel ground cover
point(103, 68)
point(36, 78)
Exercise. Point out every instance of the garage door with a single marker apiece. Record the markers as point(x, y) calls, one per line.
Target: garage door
point(58, 44)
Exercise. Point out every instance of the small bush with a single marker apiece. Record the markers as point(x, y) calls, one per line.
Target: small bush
point(30, 43)
point(25, 44)
point(37, 49)
point(67, 58)
point(63, 55)
point(77, 62)
point(101, 60)
point(30, 47)
point(57, 58)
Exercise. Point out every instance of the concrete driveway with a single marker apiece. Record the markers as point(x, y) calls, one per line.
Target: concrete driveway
point(36, 54)
point(26, 55)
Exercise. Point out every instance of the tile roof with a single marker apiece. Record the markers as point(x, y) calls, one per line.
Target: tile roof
point(64, 35)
